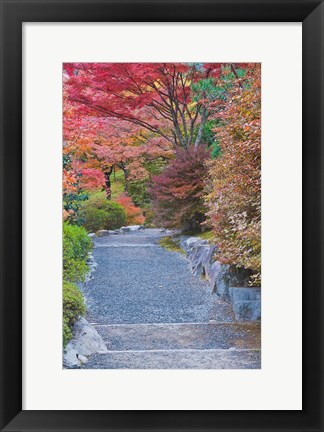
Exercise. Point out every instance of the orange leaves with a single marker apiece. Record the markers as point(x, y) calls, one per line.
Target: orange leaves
point(70, 182)
point(134, 215)
point(234, 186)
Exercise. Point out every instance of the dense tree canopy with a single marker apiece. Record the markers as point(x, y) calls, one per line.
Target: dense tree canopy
point(158, 97)
point(184, 135)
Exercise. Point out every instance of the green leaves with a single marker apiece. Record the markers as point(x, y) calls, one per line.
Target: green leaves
point(73, 307)
point(99, 213)
point(76, 246)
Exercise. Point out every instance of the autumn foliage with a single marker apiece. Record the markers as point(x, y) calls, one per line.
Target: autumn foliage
point(199, 122)
point(234, 187)
point(178, 193)
point(134, 215)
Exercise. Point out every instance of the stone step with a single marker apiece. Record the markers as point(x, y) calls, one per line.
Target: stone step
point(177, 359)
point(201, 336)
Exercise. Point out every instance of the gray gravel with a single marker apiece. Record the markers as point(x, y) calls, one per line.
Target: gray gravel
point(154, 314)
point(138, 281)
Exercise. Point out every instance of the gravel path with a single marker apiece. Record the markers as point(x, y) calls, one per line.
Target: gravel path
point(154, 314)
point(138, 281)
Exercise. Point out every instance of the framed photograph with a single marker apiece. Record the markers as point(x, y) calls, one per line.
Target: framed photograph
point(161, 229)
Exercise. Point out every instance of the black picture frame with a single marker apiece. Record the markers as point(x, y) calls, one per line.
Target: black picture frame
point(13, 14)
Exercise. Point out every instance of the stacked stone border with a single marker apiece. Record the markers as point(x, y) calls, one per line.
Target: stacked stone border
point(227, 282)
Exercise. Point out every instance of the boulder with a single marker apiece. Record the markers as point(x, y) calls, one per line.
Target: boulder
point(86, 341)
point(247, 310)
point(199, 252)
point(187, 243)
point(70, 358)
point(224, 276)
point(83, 359)
point(198, 260)
point(124, 229)
point(209, 260)
point(135, 227)
point(217, 274)
point(245, 293)
point(102, 233)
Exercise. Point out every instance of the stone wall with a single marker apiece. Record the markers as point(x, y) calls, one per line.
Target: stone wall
point(227, 282)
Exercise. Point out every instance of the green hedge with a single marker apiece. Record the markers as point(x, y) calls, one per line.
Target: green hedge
point(99, 213)
point(76, 246)
point(73, 308)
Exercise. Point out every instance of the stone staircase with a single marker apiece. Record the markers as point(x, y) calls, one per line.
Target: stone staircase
point(178, 346)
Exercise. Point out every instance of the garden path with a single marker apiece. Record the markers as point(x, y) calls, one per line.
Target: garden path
point(153, 313)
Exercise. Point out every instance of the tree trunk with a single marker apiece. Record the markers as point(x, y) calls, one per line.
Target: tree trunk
point(126, 174)
point(204, 116)
point(107, 174)
point(123, 167)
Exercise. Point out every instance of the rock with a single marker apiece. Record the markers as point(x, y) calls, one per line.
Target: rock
point(201, 258)
point(135, 227)
point(131, 228)
point(70, 358)
point(245, 293)
point(83, 359)
point(209, 260)
point(246, 301)
point(102, 233)
point(88, 278)
point(198, 260)
point(247, 310)
point(224, 276)
point(92, 235)
point(218, 276)
point(112, 232)
point(86, 340)
point(90, 258)
point(187, 243)
point(124, 229)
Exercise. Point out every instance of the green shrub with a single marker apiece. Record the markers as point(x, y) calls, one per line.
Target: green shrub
point(94, 219)
point(99, 213)
point(149, 217)
point(73, 308)
point(76, 246)
point(137, 190)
